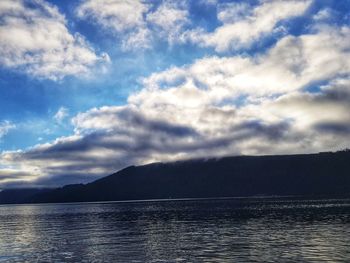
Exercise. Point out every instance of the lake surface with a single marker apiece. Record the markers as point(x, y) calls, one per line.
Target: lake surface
point(235, 230)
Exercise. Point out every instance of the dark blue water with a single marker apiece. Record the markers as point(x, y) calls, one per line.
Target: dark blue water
point(239, 230)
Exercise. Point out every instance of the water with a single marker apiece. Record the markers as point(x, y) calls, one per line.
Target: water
point(236, 230)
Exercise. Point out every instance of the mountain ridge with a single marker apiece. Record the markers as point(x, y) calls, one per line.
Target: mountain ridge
point(318, 174)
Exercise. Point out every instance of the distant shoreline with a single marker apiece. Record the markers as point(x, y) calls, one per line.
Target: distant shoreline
point(250, 198)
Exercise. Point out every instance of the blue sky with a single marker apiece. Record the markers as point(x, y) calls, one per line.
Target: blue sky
point(89, 87)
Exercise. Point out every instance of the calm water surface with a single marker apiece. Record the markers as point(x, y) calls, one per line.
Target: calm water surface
point(236, 230)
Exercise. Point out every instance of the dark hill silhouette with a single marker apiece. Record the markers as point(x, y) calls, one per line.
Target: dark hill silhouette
point(322, 174)
point(16, 196)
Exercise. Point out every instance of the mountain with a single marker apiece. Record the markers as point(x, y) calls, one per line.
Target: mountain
point(322, 174)
point(16, 196)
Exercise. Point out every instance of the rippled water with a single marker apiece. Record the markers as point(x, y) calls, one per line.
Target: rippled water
point(235, 230)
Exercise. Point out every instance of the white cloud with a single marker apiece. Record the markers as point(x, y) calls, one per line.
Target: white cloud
point(323, 15)
point(137, 24)
point(134, 22)
point(122, 17)
point(233, 12)
point(243, 26)
point(170, 18)
point(292, 64)
point(138, 39)
point(61, 114)
point(208, 2)
point(34, 39)
point(5, 127)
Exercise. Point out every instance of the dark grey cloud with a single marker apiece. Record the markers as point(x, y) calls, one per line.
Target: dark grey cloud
point(272, 132)
point(10, 174)
point(335, 128)
point(135, 119)
point(338, 94)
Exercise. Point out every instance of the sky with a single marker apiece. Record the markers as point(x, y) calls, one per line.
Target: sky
point(89, 87)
